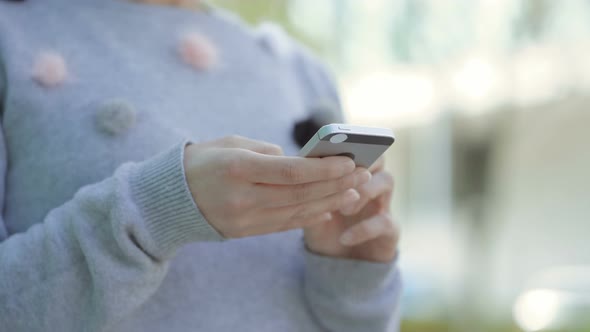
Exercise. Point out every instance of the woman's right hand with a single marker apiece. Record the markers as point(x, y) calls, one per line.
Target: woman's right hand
point(246, 187)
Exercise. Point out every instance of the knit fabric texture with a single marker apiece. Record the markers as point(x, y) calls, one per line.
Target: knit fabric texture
point(99, 231)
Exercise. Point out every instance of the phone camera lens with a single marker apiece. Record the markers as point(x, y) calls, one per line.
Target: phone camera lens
point(338, 138)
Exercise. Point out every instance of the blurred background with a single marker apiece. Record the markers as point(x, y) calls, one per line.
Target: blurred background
point(489, 101)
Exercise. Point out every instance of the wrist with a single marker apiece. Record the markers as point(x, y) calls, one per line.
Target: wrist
point(169, 211)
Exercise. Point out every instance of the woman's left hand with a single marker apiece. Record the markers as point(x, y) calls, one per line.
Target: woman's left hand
point(365, 230)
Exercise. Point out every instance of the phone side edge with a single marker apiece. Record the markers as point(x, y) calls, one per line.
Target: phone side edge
point(306, 149)
point(327, 130)
point(339, 128)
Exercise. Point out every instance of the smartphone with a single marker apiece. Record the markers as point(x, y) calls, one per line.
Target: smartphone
point(364, 145)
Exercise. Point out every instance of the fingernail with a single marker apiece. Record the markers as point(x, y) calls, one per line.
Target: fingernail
point(346, 239)
point(350, 197)
point(364, 177)
point(348, 166)
point(327, 216)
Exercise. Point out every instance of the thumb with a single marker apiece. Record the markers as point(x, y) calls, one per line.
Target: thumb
point(239, 142)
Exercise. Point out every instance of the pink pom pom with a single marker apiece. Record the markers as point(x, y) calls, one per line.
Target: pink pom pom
point(197, 51)
point(50, 69)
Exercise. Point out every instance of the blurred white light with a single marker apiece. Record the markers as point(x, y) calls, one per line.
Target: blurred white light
point(475, 80)
point(396, 96)
point(539, 74)
point(536, 309)
point(374, 5)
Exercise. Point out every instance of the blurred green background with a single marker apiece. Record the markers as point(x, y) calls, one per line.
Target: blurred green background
point(489, 101)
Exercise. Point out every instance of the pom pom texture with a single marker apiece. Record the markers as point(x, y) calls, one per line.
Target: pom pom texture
point(198, 51)
point(50, 69)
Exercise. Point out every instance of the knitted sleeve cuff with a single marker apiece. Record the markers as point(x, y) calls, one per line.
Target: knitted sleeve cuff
point(352, 295)
point(162, 195)
point(342, 278)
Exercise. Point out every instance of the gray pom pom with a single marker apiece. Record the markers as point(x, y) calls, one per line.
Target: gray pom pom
point(116, 116)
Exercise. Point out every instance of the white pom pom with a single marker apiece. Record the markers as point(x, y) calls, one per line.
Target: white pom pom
point(50, 69)
point(198, 51)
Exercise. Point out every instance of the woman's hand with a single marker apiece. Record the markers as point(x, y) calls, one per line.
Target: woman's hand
point(362, 230)
point(245, 187)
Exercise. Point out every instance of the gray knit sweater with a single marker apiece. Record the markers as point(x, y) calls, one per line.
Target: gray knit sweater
point(98, 230)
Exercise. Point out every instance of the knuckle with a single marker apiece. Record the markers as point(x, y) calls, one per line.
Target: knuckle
point(291, 172)
point(236, 166)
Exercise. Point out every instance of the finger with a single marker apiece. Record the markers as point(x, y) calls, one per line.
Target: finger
point(319, 219)
point(297, 214)
point(385, 201)
point(380, 184)
point(295, 170)
point(240, 142)
point(369, 229)
point(275, 227)
point(285, 195)
point(378, 165)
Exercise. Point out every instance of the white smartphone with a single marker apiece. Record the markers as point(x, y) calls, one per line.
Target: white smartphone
point(363, 144)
